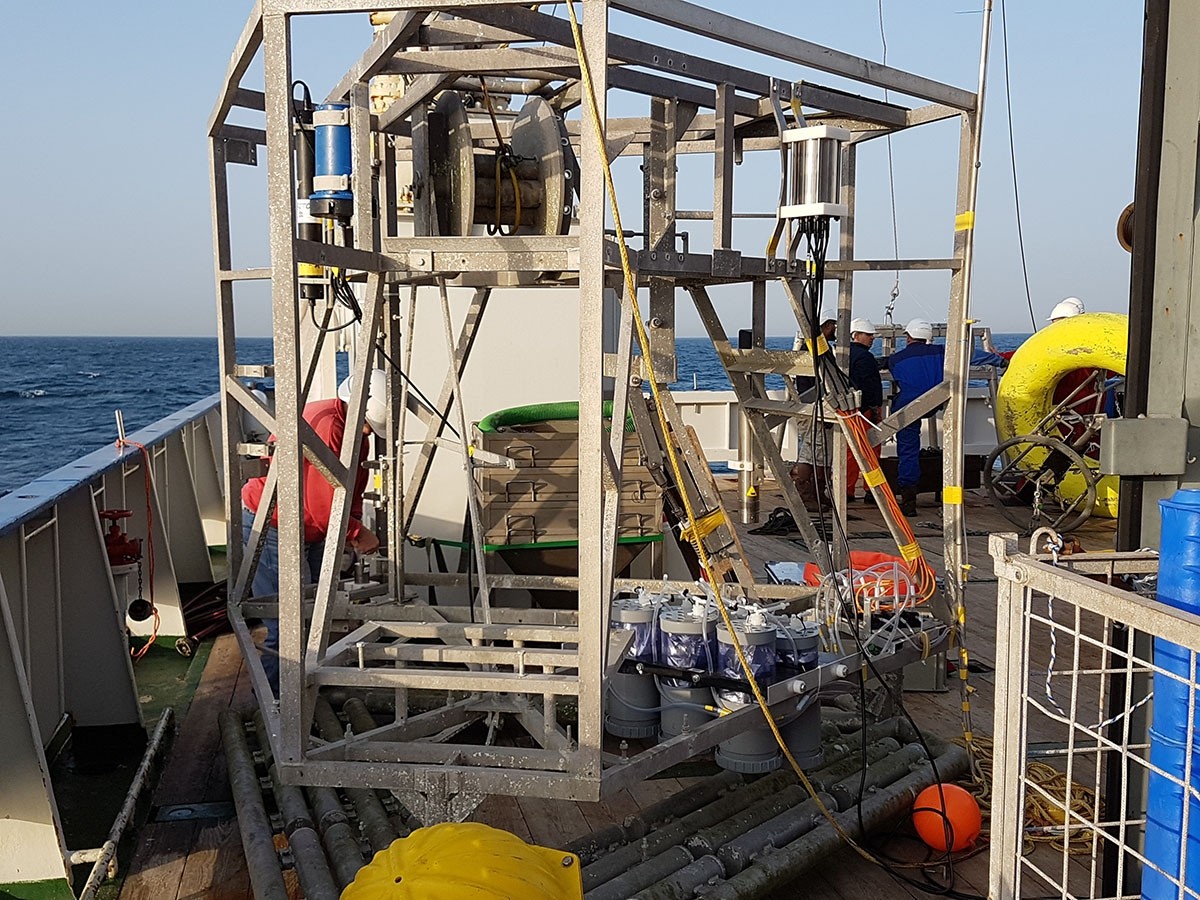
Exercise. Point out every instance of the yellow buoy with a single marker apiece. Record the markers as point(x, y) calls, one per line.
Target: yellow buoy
point(1026, 393)
point(467, 861)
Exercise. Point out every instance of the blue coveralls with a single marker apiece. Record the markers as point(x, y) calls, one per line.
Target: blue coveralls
point(916, 369)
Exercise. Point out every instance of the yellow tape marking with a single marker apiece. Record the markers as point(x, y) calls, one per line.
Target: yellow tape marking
point(874, 477)
point(822, 345)
point(911, 551)
point(952, 494)
point(965, 221)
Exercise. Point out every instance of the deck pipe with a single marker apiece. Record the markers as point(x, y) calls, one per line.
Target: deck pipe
point(837, 787)
point(301, 831)
point(852, 763)
point(778, 869)
point(634, 827)
point(664, 868)
point(1176, 708)
point(877, 775)
point(338, 834)
point(258, 838)
point(341, 841)
point(362, 720)
point(841, 758)
point(837, 746)
point(737, 854)
point(621, 860)
point(372, 817)
point(682, 884)
point(710, 840)
point(641, 876)
point(648, 854)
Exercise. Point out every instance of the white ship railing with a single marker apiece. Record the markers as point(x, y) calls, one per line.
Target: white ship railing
point(64, 650)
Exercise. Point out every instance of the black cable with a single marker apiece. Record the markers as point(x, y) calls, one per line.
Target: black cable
point(325, 329)
point(1012, 155)
point(416, 390)
point(817, 233)
point(306, 104)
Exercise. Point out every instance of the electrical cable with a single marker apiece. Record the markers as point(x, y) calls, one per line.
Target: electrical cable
point(425, 401)
point(1012, 155)
point(505, 161)
point(826, 368)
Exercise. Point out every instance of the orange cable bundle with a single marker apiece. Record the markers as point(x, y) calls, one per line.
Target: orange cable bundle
point(924, 578)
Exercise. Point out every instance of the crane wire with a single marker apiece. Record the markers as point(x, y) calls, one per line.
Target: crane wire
point(1012, 155)
point(891, 183)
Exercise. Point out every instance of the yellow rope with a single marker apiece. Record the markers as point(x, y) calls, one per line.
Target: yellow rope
point(1045, 818)
point(644, 343)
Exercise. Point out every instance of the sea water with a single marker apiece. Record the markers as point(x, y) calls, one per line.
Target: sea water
point(58, 394)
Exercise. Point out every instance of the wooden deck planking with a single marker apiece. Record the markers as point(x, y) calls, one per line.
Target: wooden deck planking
point(612, 810)
point(173, 858)
point(503, 812)
point(156, 871)
point(553, 823)
point(215, 866)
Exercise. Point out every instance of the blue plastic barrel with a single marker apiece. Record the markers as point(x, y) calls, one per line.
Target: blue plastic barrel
point(1178, 586)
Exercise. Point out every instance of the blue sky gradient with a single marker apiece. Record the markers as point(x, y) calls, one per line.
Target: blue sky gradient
point(108, 231)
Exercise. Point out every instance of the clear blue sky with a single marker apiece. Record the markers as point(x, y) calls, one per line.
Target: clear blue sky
point(107, 226)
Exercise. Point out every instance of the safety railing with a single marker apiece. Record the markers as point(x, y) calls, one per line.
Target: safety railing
point(1075, 676)
point(64, 651)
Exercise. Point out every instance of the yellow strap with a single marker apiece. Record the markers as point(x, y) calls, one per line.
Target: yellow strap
point(706, 526)
point(952, 494)
point(822, 345)
point(874, 477)
point(910, 551)
point(308, 270)
point(965, 221)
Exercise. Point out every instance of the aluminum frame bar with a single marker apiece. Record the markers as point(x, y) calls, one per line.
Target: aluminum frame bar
point(749, 36)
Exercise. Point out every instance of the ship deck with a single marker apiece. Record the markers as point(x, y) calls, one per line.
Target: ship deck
point(199, 854)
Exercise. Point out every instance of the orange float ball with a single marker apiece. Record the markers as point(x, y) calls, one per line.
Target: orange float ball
point(946, 810)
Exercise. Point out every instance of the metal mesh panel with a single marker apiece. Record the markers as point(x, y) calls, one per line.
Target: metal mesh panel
point(1074, 691)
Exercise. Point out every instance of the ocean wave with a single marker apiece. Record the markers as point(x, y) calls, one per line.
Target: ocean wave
point(89, 374)
point(28, 394)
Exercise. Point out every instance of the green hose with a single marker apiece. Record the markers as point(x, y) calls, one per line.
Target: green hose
point(542, 412)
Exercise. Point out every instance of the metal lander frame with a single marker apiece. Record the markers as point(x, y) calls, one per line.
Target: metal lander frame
point(528, 663)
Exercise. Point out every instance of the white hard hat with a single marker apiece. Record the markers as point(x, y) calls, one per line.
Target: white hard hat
point(919, 329)
point(861, 326)
point(376, 400)
point(829, 314)
point(1064, 309)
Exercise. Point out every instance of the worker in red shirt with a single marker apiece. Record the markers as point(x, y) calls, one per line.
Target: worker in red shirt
point(328, 420)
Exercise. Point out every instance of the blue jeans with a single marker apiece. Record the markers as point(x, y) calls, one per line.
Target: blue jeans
point(908, 450)
point(266, 581)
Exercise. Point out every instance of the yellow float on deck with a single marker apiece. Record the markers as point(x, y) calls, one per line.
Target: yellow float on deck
point(467, 861)
point(1026, 394)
